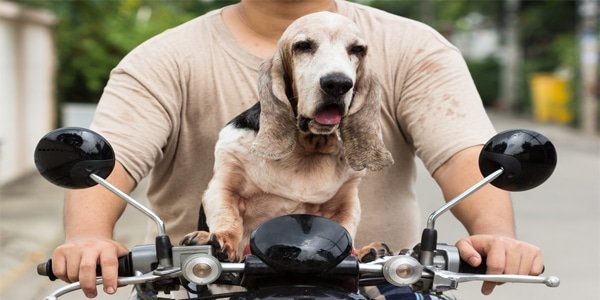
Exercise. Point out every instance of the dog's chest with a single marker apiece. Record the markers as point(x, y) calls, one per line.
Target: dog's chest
point(309, 179)
point(302, 176)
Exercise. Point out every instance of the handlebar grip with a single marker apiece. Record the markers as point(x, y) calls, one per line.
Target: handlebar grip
point(45, 269)
point(125, 268)
point(465, 267)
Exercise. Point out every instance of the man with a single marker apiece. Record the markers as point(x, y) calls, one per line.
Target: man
point(167, 100)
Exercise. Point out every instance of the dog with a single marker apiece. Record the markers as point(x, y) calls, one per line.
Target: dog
point(305, 145)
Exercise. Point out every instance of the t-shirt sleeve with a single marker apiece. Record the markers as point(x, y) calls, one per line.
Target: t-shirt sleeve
point(138, 110)
point(440, 109)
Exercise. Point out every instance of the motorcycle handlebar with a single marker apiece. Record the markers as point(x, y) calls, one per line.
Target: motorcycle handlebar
point(465, 267)
point(125, 268)
point(142, 260)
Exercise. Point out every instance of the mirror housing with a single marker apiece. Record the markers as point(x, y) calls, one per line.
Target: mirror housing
point(68, 156)
point(528, 158)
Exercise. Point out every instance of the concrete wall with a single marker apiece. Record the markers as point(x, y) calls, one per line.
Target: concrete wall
point(27, 74)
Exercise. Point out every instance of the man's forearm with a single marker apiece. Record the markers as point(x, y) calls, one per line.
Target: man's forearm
point(487, 211)
point(93, 212)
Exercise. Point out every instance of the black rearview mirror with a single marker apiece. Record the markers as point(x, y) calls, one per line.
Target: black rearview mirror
point(528, 158)
point(68, 156)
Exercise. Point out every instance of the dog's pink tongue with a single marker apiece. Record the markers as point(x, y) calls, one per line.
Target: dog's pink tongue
point(330, 116)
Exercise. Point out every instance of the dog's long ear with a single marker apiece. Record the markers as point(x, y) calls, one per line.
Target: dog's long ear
point(361, 130)
point(276, 136)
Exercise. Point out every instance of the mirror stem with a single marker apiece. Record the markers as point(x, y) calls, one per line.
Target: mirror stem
point(429, 237)
point(163, 243)
point(450, 204)
point(159, 223)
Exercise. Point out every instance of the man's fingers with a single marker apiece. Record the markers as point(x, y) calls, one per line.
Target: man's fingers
point(496, 262)
point(468, 253)
point(87, 274)
point(496, 257)
point(528, 261)
point(59, 266)
point(110, 270)
point(488, 287)
point(514, 259)
point(73, 261)
point(538, 265)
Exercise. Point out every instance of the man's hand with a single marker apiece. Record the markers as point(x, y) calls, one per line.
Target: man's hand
point(76, 260)
point(503, 256)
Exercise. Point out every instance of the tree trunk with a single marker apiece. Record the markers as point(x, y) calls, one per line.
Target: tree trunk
point(588, 10)
point(509, 80)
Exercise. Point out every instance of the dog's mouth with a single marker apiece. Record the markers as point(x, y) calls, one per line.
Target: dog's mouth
point(326, 119)
point(329, 115)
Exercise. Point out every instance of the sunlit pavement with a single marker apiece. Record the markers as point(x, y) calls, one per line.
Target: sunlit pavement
point(562, 217)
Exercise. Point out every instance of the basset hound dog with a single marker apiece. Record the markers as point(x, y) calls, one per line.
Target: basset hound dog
point(305, 145)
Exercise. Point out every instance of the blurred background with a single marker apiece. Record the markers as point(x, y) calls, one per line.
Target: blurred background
point(535, 63)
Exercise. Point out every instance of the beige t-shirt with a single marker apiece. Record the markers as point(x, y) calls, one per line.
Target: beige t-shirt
point(166, 101)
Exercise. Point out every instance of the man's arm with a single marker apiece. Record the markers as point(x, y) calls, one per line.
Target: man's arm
point(488, 217)
point(89, 219)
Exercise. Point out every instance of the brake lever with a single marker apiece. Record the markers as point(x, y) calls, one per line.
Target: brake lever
point(121, 281)
point(446, 280)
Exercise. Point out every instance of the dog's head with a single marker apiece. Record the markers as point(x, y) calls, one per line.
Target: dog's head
point(318, 82)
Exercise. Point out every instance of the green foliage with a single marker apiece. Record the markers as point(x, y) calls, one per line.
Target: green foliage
point(92, 36)
point(486, 75)
point(544, 23)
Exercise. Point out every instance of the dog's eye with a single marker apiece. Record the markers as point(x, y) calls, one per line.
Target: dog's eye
point(357, 50)
point(303, 46)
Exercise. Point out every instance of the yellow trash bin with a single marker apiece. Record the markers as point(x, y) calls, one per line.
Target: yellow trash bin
point(551, 98)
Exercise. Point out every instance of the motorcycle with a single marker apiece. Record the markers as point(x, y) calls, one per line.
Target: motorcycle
point(294, 256)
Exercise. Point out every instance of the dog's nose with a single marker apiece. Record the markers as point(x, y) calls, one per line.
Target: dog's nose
point(336, 84)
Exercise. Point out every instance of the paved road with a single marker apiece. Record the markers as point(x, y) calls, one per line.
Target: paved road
point(562, 217)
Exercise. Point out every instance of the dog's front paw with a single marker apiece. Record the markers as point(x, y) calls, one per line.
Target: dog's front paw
point(372, 252)
point(224, 243)
point(195, 238)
